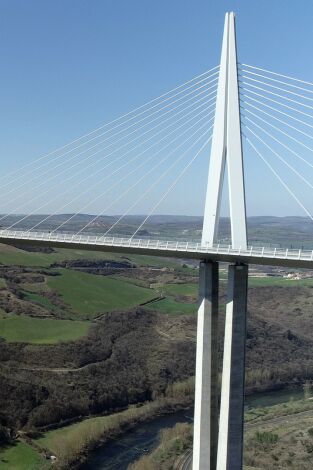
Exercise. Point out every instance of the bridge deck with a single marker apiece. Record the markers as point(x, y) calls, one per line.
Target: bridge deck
point(190, 250)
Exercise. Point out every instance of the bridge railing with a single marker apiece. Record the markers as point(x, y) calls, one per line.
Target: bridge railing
point(181, 246)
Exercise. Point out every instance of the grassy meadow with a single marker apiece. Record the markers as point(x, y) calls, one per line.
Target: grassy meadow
point(22, 328)
point(89, 295)
point(170, 306)
point(84, 296)
point(274, 281)
point(72, 299)
point(10, 255)
point(21, 456)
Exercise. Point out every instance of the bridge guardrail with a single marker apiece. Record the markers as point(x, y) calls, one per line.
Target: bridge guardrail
point(181, 246)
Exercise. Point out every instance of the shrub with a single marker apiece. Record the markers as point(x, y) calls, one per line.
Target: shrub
point(266, 438)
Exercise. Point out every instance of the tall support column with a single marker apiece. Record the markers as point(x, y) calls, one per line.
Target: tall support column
point(206, 392)
point(230, 444)
point(226, 149)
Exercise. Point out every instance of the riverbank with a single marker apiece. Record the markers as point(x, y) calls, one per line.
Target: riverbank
point(131, 445)
point(115, 441)
point(144, 438)
point(72, 444)
point(277, 436)
point(174, 443)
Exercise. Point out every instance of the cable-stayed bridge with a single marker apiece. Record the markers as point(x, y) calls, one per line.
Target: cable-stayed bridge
point(140, 159)
point(176, 249)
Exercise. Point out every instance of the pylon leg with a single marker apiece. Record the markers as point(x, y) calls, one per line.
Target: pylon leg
point(230, 441)
point(206, 390)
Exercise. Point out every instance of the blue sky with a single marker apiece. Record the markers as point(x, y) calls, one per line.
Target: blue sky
point(69, 65)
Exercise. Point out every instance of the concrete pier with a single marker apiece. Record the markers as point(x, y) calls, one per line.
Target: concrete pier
point(206, 392)
point(230, 443)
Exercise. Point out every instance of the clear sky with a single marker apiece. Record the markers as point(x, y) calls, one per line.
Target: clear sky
point(69, 65)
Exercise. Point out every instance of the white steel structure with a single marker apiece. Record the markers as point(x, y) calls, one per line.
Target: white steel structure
point(226, 147)
point(224, 452)
point(175, 249)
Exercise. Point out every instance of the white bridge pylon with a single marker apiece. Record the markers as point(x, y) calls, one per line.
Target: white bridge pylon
point(220, 447)
point(226, 147)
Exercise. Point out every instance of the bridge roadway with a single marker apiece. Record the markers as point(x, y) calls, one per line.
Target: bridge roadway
point(173, 249)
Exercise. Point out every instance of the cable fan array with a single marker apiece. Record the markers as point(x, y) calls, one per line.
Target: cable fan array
point(277, 120)
point(140, 156)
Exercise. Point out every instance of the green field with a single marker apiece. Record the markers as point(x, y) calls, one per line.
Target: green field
point(172, 304)
point(88, 294)
point(21, 457)
point(22, 328)
point(169, 305)
point(10, 255)
point(182, 289)
point(278, 281)
point(145, 260)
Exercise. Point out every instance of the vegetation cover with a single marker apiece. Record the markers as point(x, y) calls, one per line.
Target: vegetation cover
point(276, 437)
point(90, 334)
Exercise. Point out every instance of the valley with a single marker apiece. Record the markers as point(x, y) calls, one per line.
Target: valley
point(91, 335)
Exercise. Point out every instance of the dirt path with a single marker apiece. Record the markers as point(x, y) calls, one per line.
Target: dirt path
point(58, 369)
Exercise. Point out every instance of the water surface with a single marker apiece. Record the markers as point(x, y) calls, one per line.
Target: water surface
point(118, 454)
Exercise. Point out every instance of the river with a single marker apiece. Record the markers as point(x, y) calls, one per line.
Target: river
point(118, 454)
